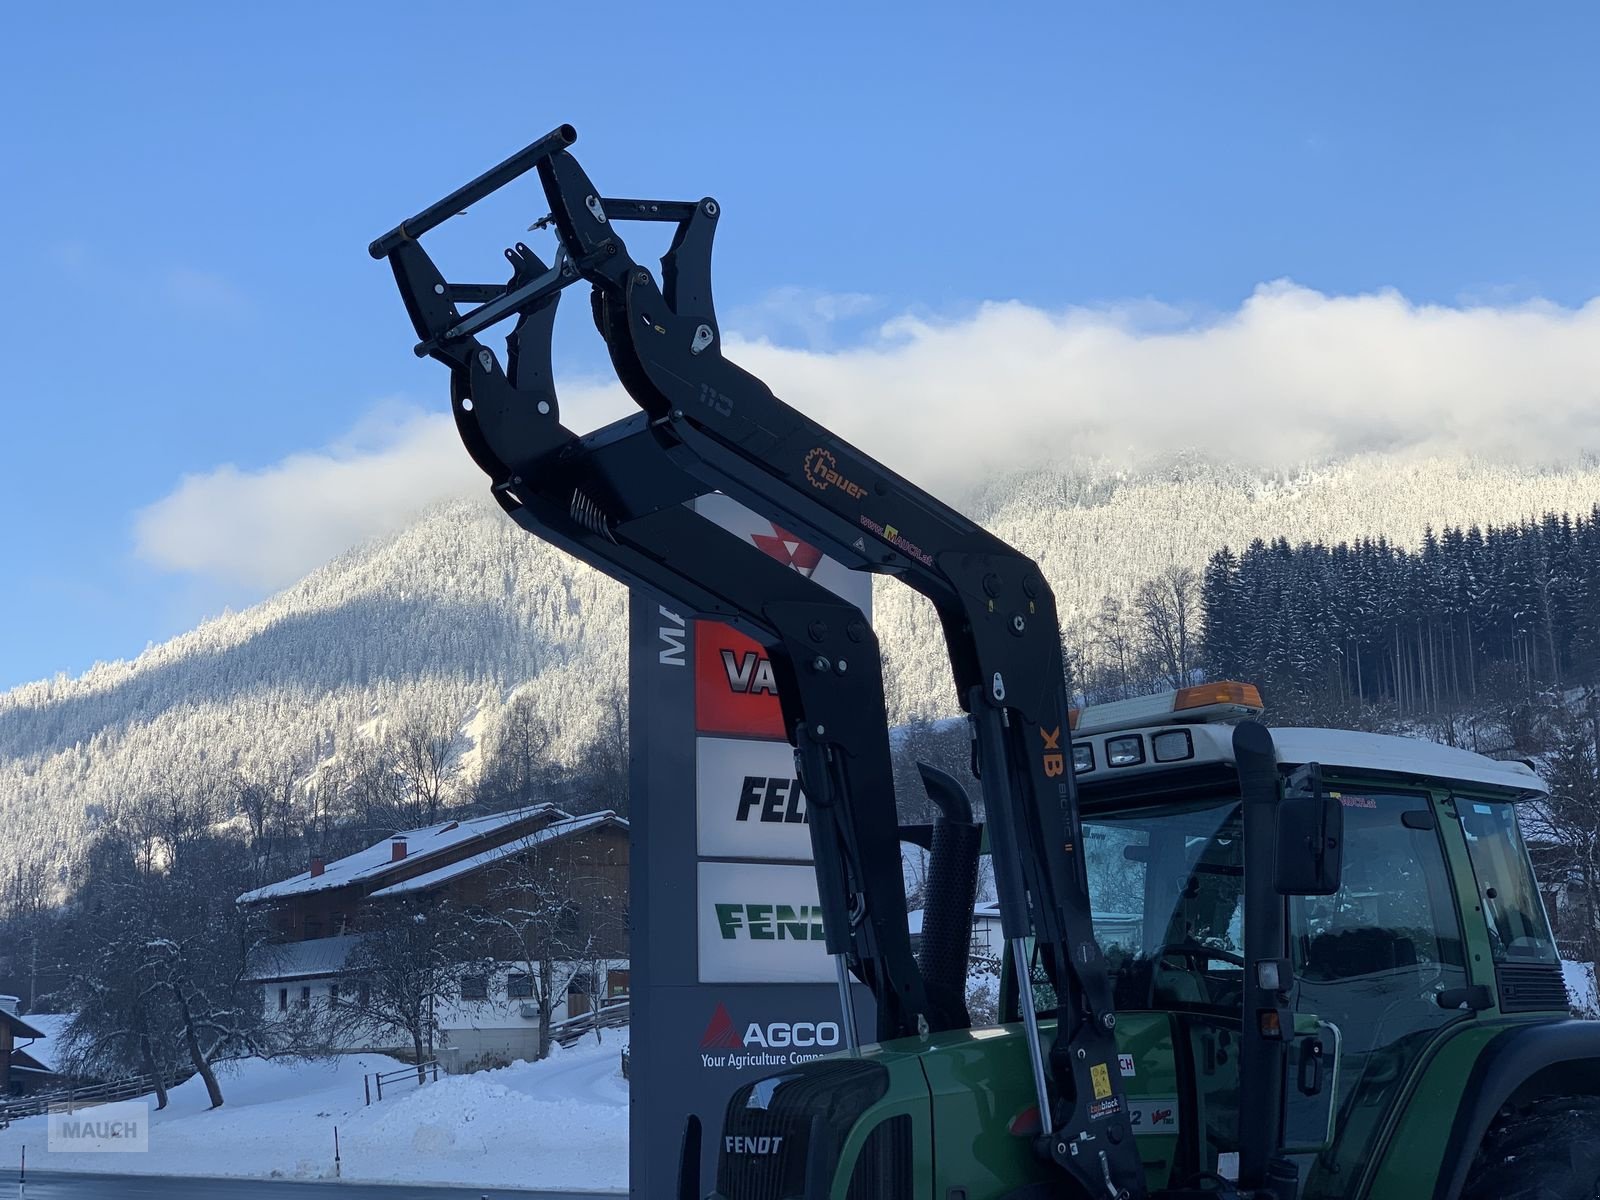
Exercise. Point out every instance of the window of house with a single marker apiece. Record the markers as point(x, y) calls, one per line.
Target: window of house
point(364, 994)
point(474, 987)
point(283, 999)
point(305, 997)
point(519, 986)
point(313, 927)
point(333, 995)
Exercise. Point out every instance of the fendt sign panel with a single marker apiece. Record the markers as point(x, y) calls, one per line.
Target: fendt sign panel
point(749, 800)
point(730, 972)
point(760, 923)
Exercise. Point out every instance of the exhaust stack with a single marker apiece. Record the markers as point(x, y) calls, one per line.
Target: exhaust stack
point(952, 888)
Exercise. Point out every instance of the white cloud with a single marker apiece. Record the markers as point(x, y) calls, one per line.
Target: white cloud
point(1292, 376)
point(266, 528)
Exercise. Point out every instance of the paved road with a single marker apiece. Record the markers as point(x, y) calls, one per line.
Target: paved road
point(52, 1185)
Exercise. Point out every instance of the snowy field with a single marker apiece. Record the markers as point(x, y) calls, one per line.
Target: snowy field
point(561, 1123)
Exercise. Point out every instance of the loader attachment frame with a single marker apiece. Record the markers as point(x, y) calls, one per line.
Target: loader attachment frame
point(618, 498)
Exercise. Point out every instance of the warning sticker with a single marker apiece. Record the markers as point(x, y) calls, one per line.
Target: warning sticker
point(1100, 1077)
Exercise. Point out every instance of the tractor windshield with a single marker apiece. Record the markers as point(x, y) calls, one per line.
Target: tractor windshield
point(1167, 888)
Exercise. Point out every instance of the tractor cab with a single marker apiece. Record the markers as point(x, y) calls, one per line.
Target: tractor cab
point(1436, 919)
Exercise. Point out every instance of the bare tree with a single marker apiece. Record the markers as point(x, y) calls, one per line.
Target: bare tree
point(1168, 608)
point(601, 776)
point(559, 914)
point(519, 759)
point(1115, 651)
point(265, 797)
point(408, 962)
point(423, 746)
point(160, 953)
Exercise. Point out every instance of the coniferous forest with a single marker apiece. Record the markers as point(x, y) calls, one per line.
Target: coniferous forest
point(1328, 631)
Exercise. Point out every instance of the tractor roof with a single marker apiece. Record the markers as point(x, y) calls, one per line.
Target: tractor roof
point(1156, 748)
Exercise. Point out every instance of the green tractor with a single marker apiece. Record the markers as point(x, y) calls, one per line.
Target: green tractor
point(1429, 1050)
point(1239, 963)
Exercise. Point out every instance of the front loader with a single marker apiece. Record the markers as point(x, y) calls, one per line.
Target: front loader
point(1252, 839)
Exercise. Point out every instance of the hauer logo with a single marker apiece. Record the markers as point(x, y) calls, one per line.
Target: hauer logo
point(768, 1044)
point(749, 673)
point(773, 799)
point(822, 469)
point(788, 549)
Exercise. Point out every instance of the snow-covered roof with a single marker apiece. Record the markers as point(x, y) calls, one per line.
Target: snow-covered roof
point(377, 860)
point(549, 833)
point(20, 1026)
point(1344, 748)
point(46, 1029)
point(311, 959)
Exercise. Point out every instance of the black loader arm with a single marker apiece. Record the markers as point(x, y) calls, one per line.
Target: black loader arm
point(616, 500)
point(708, 425)
point(728, 429)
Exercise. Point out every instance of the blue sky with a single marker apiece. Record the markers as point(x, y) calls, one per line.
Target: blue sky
point(190, 188)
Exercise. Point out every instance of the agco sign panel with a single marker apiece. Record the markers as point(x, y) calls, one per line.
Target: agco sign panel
point(731, 972)
point(749, 800)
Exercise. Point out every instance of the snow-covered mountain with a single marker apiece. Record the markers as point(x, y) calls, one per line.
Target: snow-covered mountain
point(464, 605)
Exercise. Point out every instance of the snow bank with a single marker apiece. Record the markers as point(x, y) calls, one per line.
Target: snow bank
point(561, 1123)
point(1581, 988)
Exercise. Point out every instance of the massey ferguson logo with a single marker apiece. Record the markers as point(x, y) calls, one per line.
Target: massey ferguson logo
point(749, 673)
point(822, 469)
point(788, 549)
point(772, 1044)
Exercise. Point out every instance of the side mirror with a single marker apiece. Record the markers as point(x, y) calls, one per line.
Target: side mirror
point(1310, 857)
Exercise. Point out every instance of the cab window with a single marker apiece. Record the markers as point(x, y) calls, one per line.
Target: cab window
point(1519, 930)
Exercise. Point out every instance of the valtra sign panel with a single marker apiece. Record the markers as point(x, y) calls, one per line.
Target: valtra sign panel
point(749, 800)
point(733, 687)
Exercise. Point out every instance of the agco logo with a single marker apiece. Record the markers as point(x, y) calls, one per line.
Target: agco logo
point(1055, 762)
point(722, 1034)
point(822, 469)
